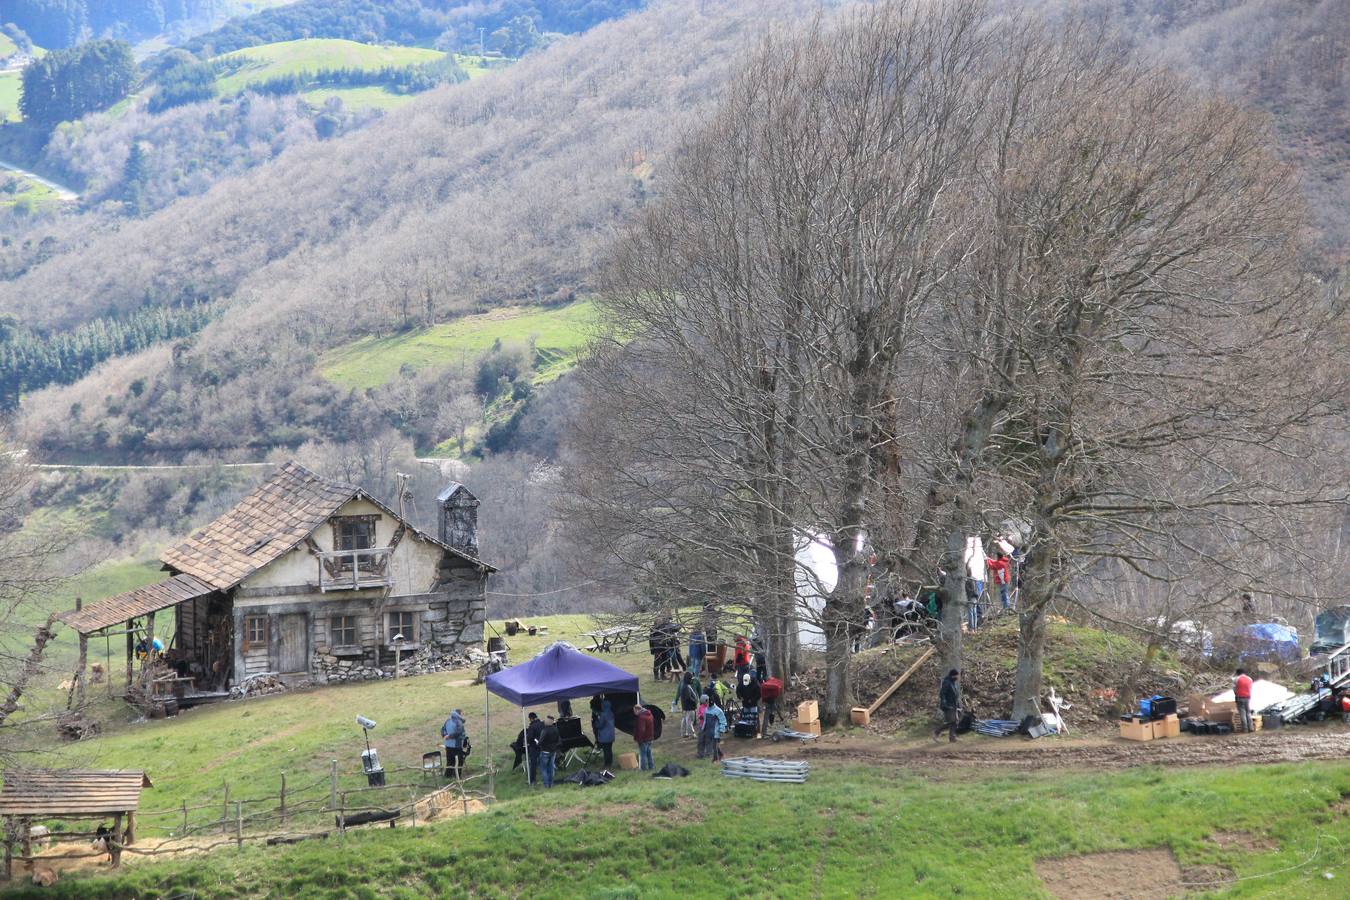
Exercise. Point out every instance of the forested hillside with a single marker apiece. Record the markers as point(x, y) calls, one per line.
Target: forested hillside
point(500, 191)
point(64, 23)
point(261, 258)
point(449, 23)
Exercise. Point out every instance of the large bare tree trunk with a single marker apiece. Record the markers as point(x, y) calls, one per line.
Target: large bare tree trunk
point(1030, 661)
point(953, 593)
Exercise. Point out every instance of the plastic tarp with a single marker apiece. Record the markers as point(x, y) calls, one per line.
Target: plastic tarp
point(1269, 639)
point(560, 672)
point(1264, 694)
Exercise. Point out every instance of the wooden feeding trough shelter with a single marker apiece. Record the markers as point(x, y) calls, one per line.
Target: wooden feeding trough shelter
point(88, 794)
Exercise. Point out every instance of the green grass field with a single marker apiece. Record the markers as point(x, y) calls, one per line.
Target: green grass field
point(371, 97)
point(478, 66)
point(852, 830)
point(310, 55)
point(7, 47)
point(370, 362)
point(11, 86)
point(29, 195)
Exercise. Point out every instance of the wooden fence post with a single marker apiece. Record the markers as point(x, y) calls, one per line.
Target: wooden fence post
point(332, 784)
point(225, 813)
point(283, 799)
point(185, 822)
point(239, 824)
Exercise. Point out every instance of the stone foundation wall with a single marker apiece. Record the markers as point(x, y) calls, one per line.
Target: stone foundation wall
point(329, 669)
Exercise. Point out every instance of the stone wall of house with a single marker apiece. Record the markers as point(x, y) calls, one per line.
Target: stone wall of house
point(329, 669)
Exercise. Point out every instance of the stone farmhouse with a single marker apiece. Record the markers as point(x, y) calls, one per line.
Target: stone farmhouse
point(305, 578)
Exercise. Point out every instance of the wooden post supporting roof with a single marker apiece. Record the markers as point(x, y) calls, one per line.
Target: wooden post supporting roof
point(131, 644)
point(82, 666)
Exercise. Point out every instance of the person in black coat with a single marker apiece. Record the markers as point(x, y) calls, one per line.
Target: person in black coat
point(949, 701)
point(532, 732)
point(549, 742)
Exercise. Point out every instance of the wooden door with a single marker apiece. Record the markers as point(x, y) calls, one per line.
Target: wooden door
point(293, 643)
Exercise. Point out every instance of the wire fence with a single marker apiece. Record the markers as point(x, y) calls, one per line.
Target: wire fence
point(313, 810)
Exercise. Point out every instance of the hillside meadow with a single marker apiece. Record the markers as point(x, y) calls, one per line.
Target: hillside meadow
point(308, 56)
point(852, 830)
point(11, 88)
point(370, 362)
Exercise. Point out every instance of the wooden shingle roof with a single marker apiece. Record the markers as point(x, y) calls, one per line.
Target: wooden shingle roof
point(135, 603)
point(265, 525)
point(269, 523)
point(71, 792)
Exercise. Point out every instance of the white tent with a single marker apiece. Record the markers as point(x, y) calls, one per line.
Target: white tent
point(815, 577)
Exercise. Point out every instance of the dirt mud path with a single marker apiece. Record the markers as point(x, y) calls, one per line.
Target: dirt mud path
point(1291, 744)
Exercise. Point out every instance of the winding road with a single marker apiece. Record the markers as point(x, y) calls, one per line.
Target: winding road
point(63, 193)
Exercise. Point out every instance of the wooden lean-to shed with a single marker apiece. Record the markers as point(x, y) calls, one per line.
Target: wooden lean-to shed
point(98, 795)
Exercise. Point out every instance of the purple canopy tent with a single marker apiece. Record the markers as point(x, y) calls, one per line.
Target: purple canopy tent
point(559, 672)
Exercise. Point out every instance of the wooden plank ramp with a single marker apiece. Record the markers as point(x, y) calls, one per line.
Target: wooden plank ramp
point(901, 680)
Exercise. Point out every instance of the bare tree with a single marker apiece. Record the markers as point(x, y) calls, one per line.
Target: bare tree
point(761, 314)
point(25, 585)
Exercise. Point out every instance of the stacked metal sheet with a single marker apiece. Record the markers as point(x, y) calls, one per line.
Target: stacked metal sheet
point(765, 769)
point(996, 727)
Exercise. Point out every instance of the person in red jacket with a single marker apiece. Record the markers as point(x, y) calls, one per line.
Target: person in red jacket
point(1242, 693)
point(644, 732)
point(770, 690)
point(742, 656)
point(999, 572)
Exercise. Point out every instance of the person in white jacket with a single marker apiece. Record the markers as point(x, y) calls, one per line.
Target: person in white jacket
point(975, 566)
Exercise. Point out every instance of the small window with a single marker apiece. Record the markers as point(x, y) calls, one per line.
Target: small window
point(404, 623)
point(342, 631)
point(255, 631)
point(354, 532)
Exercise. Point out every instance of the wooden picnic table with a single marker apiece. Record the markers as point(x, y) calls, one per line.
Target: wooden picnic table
point(607, 640)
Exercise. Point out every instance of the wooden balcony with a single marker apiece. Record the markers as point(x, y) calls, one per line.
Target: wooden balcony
point(351, 570)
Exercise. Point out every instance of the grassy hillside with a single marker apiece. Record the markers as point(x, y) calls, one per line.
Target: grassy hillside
point(11, 87)
point(849, 832)
point(25, 194)
point(854, 829)
point(371, 97)
point(556, 333)
point(302, 57)
point(7, 47)
point(478, 66)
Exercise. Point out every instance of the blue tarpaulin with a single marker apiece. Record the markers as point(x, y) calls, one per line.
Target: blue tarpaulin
point(1269, 640)
point(560, 672)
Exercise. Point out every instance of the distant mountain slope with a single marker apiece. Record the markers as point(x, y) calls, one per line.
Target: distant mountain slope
point(457, 22)
point(488, 193)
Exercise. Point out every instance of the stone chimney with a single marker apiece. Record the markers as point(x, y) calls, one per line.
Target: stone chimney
point(459, 518)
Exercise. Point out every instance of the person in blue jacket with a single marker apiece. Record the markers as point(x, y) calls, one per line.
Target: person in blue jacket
point(698, 648)
point(714, 724)
point(453, 734)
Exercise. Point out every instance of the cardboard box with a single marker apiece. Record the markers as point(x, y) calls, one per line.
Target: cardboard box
point(1201, 707)
point(808, 711)
point(1136, 730)
point(807, 727)
point(1167, 727)
point(1237, 723)
point(628, 761)
point(860, 715)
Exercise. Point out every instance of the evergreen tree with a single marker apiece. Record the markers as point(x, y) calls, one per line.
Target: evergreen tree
point(135, 174)
point(67, 84)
